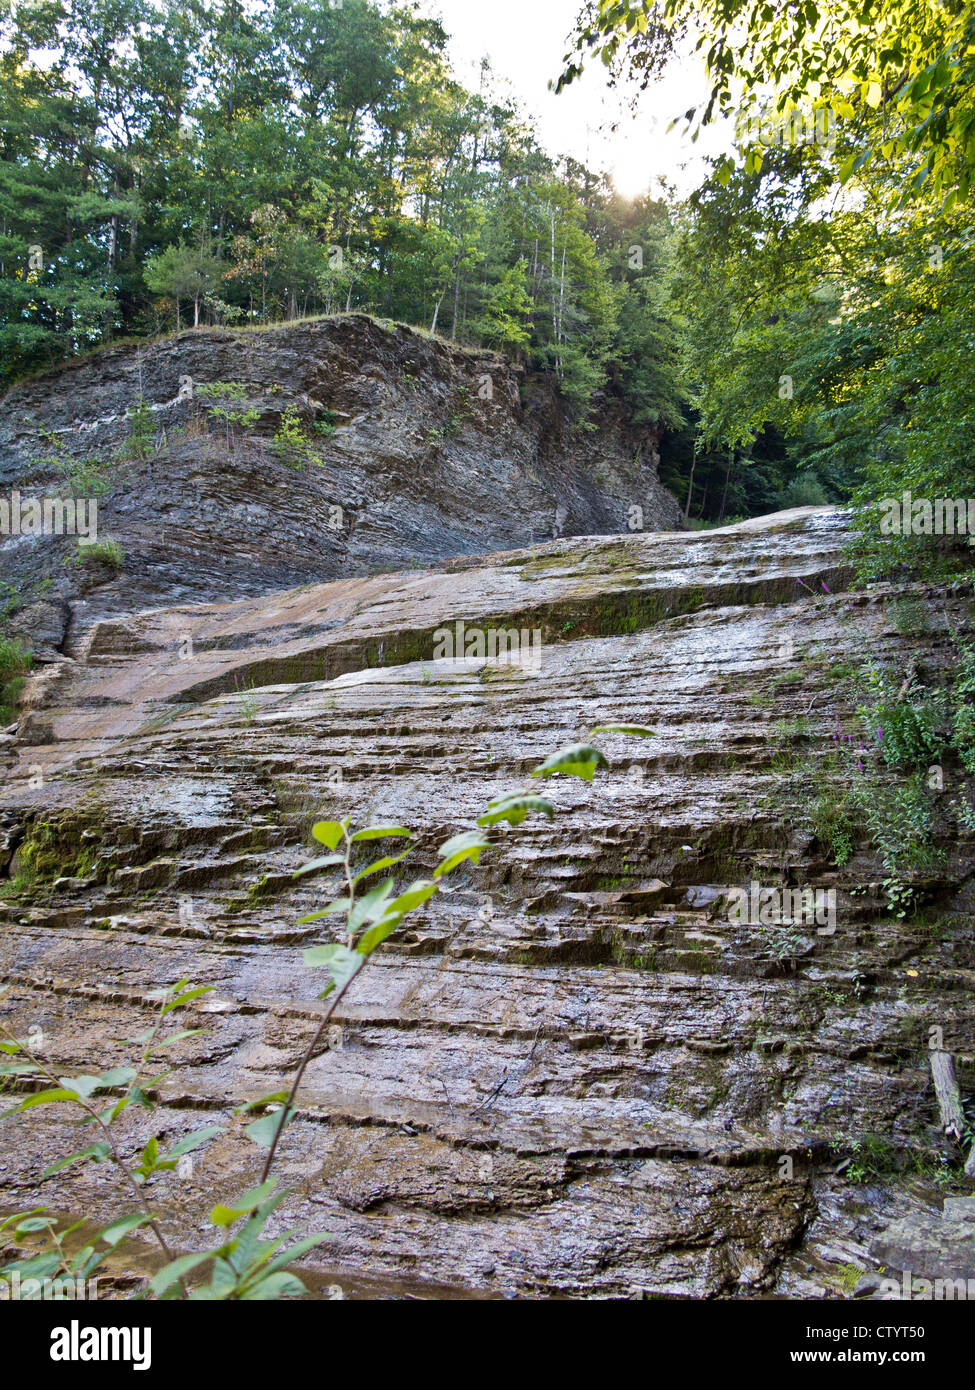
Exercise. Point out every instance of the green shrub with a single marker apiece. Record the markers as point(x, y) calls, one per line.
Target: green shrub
point(15, 661)
point(804, 491)
point(142, 433)
point(86, 477)
point(101, 553)
point(291, 443)
point(963, 707)
point(907, 724)
point(899, 819)
point(909, 616)
point(225, 398)
point(835, 826)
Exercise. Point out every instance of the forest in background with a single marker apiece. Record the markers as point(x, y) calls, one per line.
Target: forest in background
point(798, 330)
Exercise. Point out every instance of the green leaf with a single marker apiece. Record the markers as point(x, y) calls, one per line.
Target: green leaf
point(514, 809)
point(295, 1252)
point(328, 833)
point(316, 956)
point(175, 1038)
point(86, 1261)
point(223, 1281)
point(83, 1086)
point(41, 1266)
point(371, 906)
point(141, 1037)
point(150, 1158)
point(34, 1224)
point(264, 1130)
point(417, 894)
point(194, 1141)
point(275, 1098)
point(378, 933)
point(49, 1097)
point(119, 1229)
point(250, 1201)
point(340, 905)
point(170, 1274)
point(187, 997)
point(342, 964)
point(274, 1286)
point(98, 1153)
point(383, 832)
point(329, 862)
point(470, 845)
point(137, 1096)
point(380, 864)
point(118, 1076)
point(579, 760)
point(21, 1216)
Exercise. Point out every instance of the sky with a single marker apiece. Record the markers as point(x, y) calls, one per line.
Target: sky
point(526, 40)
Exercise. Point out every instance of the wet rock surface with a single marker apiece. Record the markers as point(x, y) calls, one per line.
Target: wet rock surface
point(932, 1247)
point(572, 1075)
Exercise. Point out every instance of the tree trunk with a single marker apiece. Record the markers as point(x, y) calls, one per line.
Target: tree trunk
point(436, 312)
point(562, 306)
point(690, 484)
point(555, 312)
point(453, 330)
point(727, 481)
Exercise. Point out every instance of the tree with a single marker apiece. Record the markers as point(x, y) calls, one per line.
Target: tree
point(184, 272)
point(508, 303)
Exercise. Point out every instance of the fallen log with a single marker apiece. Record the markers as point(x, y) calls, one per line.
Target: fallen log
point(948, 1094)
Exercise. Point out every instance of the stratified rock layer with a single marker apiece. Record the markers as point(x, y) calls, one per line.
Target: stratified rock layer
point(572, 1075)
point(410, 450)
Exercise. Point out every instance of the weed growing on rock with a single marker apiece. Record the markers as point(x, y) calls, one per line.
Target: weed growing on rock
point(15, 662)
point(906, 721)
point(225, 400)
point(85, 477)
point(108, 553)
point(291, 443)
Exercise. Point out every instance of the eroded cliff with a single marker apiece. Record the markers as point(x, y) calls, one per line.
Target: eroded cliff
point(397, 450)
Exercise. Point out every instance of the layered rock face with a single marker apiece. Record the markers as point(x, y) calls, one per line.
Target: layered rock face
point(422, 451)
point(573, 1075)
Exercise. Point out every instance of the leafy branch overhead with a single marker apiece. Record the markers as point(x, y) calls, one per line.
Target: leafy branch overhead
point(903, 71)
